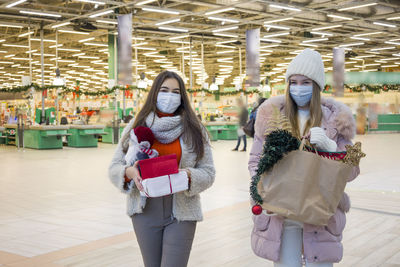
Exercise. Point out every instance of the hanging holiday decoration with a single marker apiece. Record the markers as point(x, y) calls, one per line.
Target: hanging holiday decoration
point(366, 87)
point(225, 93)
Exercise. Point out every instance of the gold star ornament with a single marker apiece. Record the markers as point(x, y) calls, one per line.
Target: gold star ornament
point(354, 154)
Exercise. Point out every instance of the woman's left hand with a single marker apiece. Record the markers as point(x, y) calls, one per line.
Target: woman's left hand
point(189, 174)
point(319, 138)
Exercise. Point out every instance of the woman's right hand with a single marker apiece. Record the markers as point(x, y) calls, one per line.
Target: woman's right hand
point(134, 174)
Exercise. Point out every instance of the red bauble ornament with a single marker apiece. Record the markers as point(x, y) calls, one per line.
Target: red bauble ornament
point(256, 209)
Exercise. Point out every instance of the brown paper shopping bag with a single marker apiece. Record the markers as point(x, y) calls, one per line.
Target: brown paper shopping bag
point(304, 186)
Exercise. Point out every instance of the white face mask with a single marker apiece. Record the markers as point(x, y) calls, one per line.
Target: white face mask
point(168, 102)
point(301, 94)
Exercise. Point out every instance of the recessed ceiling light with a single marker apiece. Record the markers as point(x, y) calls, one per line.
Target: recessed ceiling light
point(107, 21)
point(351, 44)
point(61, 24)
point(161, 10)
point(276, 34)
point(25, 34)
point(75, 32)
point(285, 7)
point(219, 11)
point(393, 18)
point(383, 48)
point(360, 38)
point(145, 2)
point(14, 45)
point(10, 25)
point(101, 13)
point(277, 20)
point(223, 19)
point(315, 40)
point(175, 29)
point(368, 33)
point(358, 6)
point(225, 29)
point(385, 24)
point(15, 3)
point(270, 40)
point(92, 2)
point(276, 27)
point(339, 17)
point(226, 35)
point(327, 27)
point(168, 21)
point(85, 40)
point(39, 13)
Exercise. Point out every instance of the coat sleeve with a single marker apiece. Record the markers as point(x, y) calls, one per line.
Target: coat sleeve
point(263, 116)
point(203, 174)
point(116, 169)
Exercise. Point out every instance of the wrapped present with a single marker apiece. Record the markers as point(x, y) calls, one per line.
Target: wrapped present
point(161, 176)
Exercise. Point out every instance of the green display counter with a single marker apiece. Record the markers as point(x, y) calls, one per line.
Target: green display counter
point(10, 134)
point(222, 130)
point(108, 130)
point(45, 136)
point(84, 135)
point(388, 123)
point(2, 135)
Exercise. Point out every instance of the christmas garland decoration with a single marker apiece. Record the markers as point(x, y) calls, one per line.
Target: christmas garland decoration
point(65, 90)
point(366, 87)
point(107, 91)
point(277, 144)
point(20, 89)
point(218, 92)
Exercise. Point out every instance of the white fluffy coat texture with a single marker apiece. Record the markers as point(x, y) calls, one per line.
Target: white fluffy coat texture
point(185, 205)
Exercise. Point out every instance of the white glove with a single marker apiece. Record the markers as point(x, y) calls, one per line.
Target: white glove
point(319, 138)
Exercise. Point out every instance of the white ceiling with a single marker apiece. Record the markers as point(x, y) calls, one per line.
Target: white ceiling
point(370, 33)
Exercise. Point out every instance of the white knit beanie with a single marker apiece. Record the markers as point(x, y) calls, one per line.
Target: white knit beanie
point(308, 63)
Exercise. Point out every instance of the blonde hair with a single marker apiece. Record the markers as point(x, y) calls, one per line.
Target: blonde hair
point(315, 111)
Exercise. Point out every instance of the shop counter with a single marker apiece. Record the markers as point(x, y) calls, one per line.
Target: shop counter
point(9, 134)
point(84, 135)
point(2, 135)
point(45, 136)
point(222, 130)
point(108, 138)
point(388, 123)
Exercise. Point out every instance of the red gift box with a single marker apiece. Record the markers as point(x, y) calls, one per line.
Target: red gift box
point(159, 166)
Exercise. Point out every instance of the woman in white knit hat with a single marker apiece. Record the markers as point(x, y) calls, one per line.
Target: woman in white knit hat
point(330, 126)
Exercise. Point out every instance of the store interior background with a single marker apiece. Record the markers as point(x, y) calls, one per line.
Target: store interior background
point(58, 129)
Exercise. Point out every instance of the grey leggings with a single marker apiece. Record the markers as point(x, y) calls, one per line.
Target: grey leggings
point(163, 241)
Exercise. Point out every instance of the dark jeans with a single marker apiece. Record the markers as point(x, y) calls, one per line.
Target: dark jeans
point(244, 142)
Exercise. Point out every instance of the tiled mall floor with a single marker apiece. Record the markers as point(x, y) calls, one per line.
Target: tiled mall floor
point(58, 208)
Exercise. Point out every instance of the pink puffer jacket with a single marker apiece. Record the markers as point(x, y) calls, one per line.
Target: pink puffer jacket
point(321, 243)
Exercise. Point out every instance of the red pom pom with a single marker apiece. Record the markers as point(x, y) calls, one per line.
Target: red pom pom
point(256, 209)
point(144, 134)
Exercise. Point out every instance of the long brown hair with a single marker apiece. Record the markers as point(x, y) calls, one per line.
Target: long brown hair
point(193, 130)
point(315, 111)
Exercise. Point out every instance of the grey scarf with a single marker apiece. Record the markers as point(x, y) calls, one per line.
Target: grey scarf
point(165, 129)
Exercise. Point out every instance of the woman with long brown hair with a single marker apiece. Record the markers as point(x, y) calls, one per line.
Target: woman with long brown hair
point(165, 226)
point(330, 126)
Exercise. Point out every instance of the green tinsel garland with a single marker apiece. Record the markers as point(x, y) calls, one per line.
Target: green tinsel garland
point(230, 93)
point(368, 88)
point(277, 144)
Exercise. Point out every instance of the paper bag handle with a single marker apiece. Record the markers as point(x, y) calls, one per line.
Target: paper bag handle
point(302, 144)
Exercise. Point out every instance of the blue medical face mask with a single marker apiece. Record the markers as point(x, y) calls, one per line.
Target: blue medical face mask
point(301, 94)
